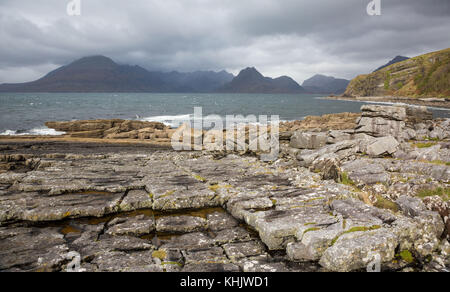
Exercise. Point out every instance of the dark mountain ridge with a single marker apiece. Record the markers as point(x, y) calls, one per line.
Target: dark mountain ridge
point(101, 74)
point(325, 85)
point(397, 59)
point(251, 80)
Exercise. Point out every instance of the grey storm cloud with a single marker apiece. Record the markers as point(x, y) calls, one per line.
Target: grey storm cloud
point(298, 38)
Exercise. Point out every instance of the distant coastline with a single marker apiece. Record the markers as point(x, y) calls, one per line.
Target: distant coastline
point(437, 103)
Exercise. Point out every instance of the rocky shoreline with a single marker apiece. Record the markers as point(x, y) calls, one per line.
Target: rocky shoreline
point(429, 102)
point(346, 190)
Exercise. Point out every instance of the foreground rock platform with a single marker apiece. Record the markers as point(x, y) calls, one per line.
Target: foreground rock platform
point(170, 211)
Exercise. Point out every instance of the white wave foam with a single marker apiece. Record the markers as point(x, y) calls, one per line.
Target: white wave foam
point(177, 120)
point(171, 121)
point(44, 131)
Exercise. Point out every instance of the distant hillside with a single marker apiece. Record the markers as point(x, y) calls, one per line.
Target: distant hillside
point(393, 61)
point(250, 80)
point(325, 84)
point(101, 74)
point(423, 76)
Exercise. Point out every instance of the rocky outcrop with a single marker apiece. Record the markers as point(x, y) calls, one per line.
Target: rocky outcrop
point(397, 121)
point(380, 157)
point(111, 129)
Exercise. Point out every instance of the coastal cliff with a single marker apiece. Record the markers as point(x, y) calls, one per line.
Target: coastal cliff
point(423, 76)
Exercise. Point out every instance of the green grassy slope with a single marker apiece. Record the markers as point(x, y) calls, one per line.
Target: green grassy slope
point(422, 76)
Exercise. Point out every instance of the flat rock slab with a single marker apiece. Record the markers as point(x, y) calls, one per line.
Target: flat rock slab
point(180, 224)
point(31, 249)
point(219, 221)
point(205, 255)
point(136, 200)
point(40, 207)
point(236, 251)
point(136, 226)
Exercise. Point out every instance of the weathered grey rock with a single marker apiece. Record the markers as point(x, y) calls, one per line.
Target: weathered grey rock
point(356, 250)
point(32, 249)
point(137, 226)
point(313, 242)
point(429, 154)
point(89, 247)
point(32, 206)
point(359, 214)
point(328, 166)
point(437, 204)
point(117, 261)
point(398, 113)
point(343, 150)
point(219, 221)
point(411, 206)
point(288, 208)
point(365, 172)
point(380, 121)
point(263, 266)
point(211, 267)
point(180, 224)
point(236, 234)
point(205, 255)
point(135, 200)
point(418, 114)
point(308, 140)
point(338, 136)
point(236, 251)
point(278, 228)
point(190, 241)
point(383, 146)
point(380, 127)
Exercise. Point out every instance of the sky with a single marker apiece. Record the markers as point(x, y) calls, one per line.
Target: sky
point(297, 38)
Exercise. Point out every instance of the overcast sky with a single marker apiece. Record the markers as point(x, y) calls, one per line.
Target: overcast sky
point(298, 38)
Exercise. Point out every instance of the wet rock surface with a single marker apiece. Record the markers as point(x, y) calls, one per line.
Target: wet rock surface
point(334, 208)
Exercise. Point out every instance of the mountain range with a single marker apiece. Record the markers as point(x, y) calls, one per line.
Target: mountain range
point(250, 80)
point(102, 74)
point(325, 84)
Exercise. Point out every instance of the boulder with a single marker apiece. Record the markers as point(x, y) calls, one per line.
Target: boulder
point(429, 154)
point(396, 113)
point(366, 172)
point(418, 114)
point(437, 204)
point(397, 121)
point(411, 206)
point(335, 136)
point(328, 166)
point(359, 250)
point(383, 146)
point(380, 127)
point(308, 140)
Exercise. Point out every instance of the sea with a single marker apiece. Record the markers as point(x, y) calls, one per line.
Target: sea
point(26, 113)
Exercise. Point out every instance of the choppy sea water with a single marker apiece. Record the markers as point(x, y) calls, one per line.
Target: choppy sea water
point(26, 113)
